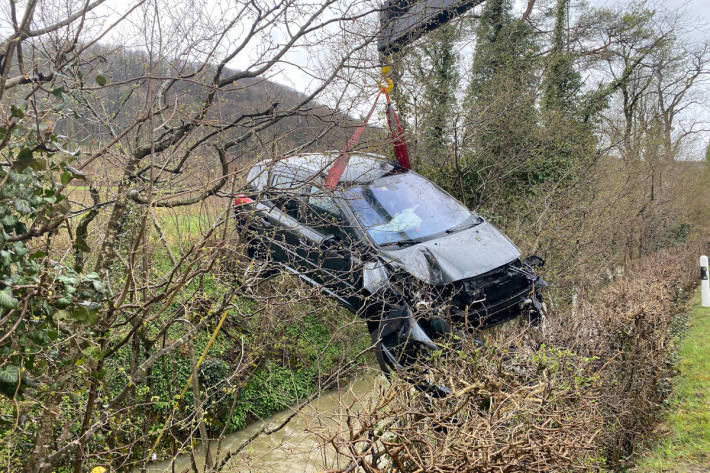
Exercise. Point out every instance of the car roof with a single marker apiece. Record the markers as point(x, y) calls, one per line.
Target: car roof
point(313, 167)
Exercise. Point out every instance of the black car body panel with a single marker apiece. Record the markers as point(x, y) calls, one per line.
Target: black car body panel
point(411, 273)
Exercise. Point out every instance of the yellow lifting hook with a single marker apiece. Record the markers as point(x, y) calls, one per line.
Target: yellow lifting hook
point(389, 83)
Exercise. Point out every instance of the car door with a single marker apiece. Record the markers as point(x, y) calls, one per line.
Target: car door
point(331, 253)
point(283, 234)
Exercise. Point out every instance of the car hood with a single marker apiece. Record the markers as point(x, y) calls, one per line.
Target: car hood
point(461, 255)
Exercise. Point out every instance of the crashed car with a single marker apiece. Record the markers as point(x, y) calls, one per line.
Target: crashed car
point(389, 245)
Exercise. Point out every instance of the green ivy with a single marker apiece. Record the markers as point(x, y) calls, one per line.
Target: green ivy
point(37, 294)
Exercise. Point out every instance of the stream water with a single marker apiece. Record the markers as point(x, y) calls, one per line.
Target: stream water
point(293, 449)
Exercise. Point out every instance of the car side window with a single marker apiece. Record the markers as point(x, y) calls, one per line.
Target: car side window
point(285, 192)
point(324, 215)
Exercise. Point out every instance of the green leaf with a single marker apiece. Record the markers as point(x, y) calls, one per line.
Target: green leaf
point(19, 248)
point(39, 254)
point(64, 279)
point(24, 159)
point(63, 302)
point(10, 375)
point(38, 164)
point(98, 286)
point(65, 178)
point(93, 352)
point(59, 92)
point(9, 220)
point(101, 80)
point(39, 337)
point(84, 314)
point(17, 111)
point(22, 206)
point(7, 300)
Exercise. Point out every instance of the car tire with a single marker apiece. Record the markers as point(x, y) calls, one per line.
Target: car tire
point(379, 354)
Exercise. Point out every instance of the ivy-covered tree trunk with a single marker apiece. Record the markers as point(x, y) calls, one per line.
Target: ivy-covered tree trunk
point(439, 72)
point(562, 81)
point(499, 108)
point(107, 253)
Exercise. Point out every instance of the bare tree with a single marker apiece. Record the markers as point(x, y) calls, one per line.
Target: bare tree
point(169, 119)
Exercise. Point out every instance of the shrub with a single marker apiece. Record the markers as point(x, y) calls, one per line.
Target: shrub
point(577, 393)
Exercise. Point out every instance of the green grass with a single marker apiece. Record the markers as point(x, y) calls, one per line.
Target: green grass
point(685, 444)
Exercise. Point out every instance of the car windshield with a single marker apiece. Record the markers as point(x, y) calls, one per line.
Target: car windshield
point(405, 207)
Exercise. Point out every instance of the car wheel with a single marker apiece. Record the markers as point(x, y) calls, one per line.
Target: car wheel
point(408, 351)
point(380, 355)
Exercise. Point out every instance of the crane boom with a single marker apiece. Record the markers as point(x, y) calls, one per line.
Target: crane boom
point(401, 22)
point(404, 21)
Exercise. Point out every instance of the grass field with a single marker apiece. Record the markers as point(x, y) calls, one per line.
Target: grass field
point(685, 442)
point(180, 225)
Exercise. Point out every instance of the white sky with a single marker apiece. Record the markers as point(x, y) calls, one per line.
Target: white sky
point(696, 12)
point(305, 62)
point(695, 22)
point(696, 25)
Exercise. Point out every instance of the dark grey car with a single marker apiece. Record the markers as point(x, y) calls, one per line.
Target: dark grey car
point(390, 246)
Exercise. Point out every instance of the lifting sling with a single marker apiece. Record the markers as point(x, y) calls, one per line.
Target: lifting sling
point(396, 136)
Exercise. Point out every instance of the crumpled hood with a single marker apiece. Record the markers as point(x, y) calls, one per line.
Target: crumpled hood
point(461, 255)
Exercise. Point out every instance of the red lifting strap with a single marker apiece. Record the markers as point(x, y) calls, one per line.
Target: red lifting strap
point(341, 162)
point(397, 135)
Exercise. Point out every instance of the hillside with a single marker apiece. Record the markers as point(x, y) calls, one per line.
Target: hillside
point(239, 107)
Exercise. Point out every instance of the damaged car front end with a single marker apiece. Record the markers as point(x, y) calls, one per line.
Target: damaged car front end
point(410, 317)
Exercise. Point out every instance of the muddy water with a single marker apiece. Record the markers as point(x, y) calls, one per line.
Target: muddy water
point(293, 449)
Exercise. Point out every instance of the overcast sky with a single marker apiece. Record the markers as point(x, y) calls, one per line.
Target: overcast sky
point(695, 14)
point(697, 11)
point(299, 68)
